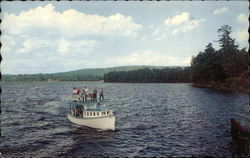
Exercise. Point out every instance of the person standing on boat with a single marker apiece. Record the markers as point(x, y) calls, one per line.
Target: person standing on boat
point(83, 94)
point(78, 94)
point(95, 94)
point(101, 95)
point(74, 90)
point(86, 93)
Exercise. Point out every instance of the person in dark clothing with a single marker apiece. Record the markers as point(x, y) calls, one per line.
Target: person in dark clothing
point(95, 94)
point(101, 97)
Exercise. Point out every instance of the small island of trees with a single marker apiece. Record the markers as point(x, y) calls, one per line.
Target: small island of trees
point(226, 68)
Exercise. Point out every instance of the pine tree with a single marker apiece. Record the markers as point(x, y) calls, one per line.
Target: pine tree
point(227, 43)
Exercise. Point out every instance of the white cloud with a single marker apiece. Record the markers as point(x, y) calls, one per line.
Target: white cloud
point(43, 40)
point(220, 11)
point(189, 26)
point(65, 47)
point(182, 23)
point(7, 43)
point(156, 32)
point(243, 18)
point(47, 55)
point(149, 58)
point(242, 34)
point(32, 45)
point(159, 34)
point(177, 20)
point(69, 22)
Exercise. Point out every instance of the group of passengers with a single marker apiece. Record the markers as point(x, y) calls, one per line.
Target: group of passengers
point(85, 94)
point(77, 111)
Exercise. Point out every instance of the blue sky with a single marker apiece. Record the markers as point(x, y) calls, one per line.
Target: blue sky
point(48, 37)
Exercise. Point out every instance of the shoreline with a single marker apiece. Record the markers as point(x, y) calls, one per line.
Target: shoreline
point(220, 88)
point(199, 85)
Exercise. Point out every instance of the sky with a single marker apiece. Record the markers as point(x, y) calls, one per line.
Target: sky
point(49, 37)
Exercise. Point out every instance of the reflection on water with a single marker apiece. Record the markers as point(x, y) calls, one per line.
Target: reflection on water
point(151, 120)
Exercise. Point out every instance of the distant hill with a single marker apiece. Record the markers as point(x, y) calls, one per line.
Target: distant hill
point(94, 74)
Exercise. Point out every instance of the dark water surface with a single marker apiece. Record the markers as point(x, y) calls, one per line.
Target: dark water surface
point(151, 120)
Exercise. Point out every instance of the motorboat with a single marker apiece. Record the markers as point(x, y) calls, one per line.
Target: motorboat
point(91, 114)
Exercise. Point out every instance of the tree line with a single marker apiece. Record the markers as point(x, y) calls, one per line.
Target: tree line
point(52, 77)
point(146, 75)
point(77, 75)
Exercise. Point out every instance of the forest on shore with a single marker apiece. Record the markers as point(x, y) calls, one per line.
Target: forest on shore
point(226, 68)
point(165, 75)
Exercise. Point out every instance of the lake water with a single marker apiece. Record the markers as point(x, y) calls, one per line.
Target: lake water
point(151, 120)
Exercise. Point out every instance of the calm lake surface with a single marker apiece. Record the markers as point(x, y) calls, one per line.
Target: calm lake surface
point(151, 120)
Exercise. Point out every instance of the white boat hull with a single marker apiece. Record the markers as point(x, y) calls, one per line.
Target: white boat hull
point(104, 123)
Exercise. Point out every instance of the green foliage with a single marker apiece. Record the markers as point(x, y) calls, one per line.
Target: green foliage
point(221, 67)
point(146, 75)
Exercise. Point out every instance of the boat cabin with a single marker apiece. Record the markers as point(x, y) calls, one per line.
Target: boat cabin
point(93, 111)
